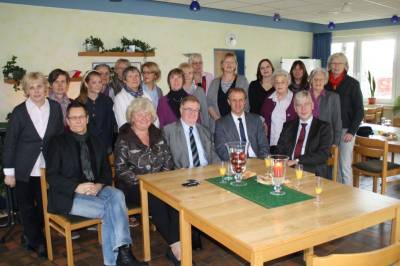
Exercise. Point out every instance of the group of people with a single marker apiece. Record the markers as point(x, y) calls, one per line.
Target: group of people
point(294, 114)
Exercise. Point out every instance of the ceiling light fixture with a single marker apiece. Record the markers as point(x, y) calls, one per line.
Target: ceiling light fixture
point(194, 6)
point(331, 25)
point(394, 19)
point(276, 17)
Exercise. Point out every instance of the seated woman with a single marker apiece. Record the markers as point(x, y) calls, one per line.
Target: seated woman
point(217, 98)
point(131, 90)
point(100, 108)
point(151, 75)
point(299, 77)
point(278, 108)
point(192, 89)
point(141, 149)
point(59, 83)
point(261, 88)
point(33, 123)
point(105, 75)
point(168, 106)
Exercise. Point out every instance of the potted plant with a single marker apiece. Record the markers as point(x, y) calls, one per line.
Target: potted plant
point(138, 45)
point(93, 44)
point(13, 72)
point(372, 88)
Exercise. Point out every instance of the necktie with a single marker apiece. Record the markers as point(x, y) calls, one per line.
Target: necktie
point(300, 141)
point(193, 147)
point(241, 129)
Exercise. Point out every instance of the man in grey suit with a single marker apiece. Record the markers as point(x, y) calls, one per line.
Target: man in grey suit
point(190, 143)
point(240, 126)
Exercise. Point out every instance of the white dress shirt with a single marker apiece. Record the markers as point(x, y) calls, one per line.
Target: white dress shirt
point(243, 117)
point(40, 119)
point(278, 116)
point(199, 145)
point(303, 148)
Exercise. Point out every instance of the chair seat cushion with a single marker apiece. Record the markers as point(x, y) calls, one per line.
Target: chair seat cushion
point(73, 219)
point(374, 166)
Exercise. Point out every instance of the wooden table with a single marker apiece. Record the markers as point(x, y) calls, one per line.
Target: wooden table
point(394, 145)
point(258, 234)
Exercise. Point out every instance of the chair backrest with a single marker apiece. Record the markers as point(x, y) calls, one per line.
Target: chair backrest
point(379, 114)
point(368, 147)
point(381, 257)
point(333, 161)
point(396, 121)
point(111, 161)
point(43, 189)
point(370, 115)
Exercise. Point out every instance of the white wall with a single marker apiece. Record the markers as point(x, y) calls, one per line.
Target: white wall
point(45, 38)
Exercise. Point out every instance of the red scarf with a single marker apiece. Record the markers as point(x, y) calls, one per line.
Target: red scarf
point(336, 81)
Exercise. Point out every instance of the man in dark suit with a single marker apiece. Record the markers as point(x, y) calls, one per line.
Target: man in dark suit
point(306, 140)
point(197, 149)
point(240, 126)
point(80, 184)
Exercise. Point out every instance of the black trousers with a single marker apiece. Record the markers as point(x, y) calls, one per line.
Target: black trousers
point(29, 199)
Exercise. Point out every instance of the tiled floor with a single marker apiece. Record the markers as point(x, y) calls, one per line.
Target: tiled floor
point(88, 252)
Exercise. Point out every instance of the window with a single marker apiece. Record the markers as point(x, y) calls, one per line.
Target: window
point(377, 55)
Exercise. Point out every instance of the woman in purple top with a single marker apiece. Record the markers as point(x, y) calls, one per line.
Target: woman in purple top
point(168, 106)
point(278, 108)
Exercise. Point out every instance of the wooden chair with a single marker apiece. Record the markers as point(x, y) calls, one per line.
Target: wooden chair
point(64, 224)
point(379, 114)
point(396, 121)
point(333, 161)
point(389, 255)
point(378, 166)
point(370, 116)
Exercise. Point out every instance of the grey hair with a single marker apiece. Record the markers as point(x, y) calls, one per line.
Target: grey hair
point(302, 94)
point(140, 104)
point(281, 73)
point(194, 56)
point(343, 58)
point(317, 71)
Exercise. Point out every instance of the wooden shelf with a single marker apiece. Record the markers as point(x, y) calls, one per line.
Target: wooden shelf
point(78, 79)
point(117, 54)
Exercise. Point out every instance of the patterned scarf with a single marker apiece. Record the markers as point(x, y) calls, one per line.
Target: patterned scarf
point(336, 81)
point(174, 100)
point(84, 156)
point(64, 102)
point(135, 94)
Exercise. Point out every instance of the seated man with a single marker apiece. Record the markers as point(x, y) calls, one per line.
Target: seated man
point(240, 126)
point(306, 140)
point(79, 177)
point(197, 149)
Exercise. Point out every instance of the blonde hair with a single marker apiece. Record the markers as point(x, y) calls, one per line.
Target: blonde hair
point(153, 68)
point(185, 65)
point(140, 104)
point(342, 57)
point(229, 54)
point(194, 56)
point(33, 76)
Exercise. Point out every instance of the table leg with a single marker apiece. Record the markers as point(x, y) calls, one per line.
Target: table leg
point(395, 236)
point(308, 254)
point(145, 222)
point(256, 260)
point(186, 239)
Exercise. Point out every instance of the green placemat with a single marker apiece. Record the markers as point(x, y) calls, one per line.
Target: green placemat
point(260, 194)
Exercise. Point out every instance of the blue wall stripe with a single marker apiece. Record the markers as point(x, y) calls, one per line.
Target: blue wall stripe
point(170, 10)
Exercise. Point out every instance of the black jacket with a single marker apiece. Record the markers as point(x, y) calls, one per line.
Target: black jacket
point(23, 144)
point(351, 103)
point(318, 145)
point(64, 173)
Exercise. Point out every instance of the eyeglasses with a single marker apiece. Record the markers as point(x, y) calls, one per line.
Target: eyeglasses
point(190, 110)
point(77, 118)
point(147, 72)
point(336, 63)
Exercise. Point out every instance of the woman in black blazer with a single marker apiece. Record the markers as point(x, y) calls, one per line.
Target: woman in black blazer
point(32, 124)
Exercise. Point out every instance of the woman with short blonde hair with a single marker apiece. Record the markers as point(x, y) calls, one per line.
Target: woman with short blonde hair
point(151, 75)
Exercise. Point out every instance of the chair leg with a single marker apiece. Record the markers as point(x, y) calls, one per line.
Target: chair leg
point(374, 184)
point(383, 186)
point(99, 233)
point(356, 179)
point(48, 238)
point(70, 251)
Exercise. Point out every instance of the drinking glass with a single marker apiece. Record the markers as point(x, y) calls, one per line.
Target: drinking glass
point(318, 189)
point(278, 172)
point(222, 173)
point(268, 163)
point(237, 151)
point(299, 174)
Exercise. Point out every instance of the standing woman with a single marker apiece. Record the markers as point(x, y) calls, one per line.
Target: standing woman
point(33, 123)
point(326, 103)
point(168, 106)
point(299, 77)
point(261, 88)
point(59, 83)
point(100, 108)
point(105, 75)
point(351, 107)
point(201, 78)
point(278, 108)
point(151, 75)
point(131, 90)
point(191, 88)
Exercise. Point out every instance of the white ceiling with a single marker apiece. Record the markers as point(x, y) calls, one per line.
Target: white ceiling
point(316, 11)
